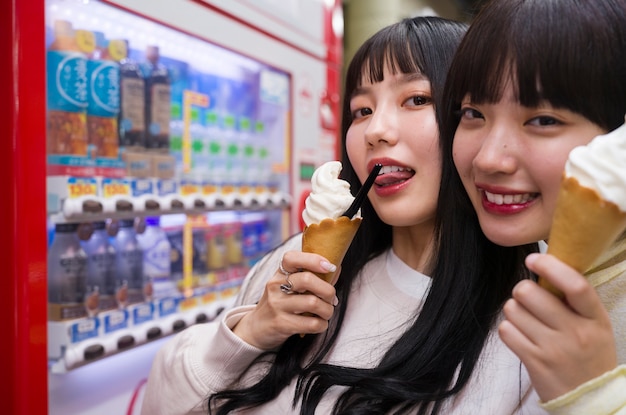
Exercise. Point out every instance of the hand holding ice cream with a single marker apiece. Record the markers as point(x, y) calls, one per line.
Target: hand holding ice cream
point(591, 207)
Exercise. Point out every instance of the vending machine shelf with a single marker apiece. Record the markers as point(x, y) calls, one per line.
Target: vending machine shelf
point(74, 199)
point(79, 342)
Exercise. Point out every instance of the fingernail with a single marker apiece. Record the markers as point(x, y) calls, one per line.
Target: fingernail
point(531, 258)
point(328, 266)
point(335, 301)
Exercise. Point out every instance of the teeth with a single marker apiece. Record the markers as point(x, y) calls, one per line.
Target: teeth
point(499, 199)
point(392, 169)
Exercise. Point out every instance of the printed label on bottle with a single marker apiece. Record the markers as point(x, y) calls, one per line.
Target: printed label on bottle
point(69, 286)
point(132, 90)
point(157, 261)
point(104, 91)
point(67, 81)
point(103, 107)
point(132, 268)
point(160, 109)
point(67, 101)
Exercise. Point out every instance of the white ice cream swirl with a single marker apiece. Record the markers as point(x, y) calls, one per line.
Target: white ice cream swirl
point(330, 196)
point(601, 165)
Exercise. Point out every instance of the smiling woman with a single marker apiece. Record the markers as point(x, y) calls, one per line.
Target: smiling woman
point(509, 126)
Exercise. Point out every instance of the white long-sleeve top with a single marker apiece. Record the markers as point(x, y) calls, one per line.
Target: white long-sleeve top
point(206, 358)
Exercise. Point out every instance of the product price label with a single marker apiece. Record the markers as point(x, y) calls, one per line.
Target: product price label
point(115, 320)
point(166, 187)
point(143, 313)
point(115, 187)
point(77, 187)
point(167, 306)
point(141, 187)
point(188, 187)
point(84, 329)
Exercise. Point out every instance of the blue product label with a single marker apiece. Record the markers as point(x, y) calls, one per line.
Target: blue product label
point(250, 239)
point(69, 160)
point(166, 187)
point(84, 329)
point(67, 81)
point(264, 237)
point(167, 306)
point(115, 320)
point(141, 187)
point(143, 313)
point(156, 260)
point(110, 163)
point(104, 88)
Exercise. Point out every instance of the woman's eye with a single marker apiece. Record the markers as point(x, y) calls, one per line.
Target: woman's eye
point(544, 121)
point(361, 112)
point(470, 114)
point(418, 101)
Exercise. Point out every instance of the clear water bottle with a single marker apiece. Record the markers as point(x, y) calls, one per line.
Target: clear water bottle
point(100, 266)
point(67, 274)
point(156, 249)
point(133, 288)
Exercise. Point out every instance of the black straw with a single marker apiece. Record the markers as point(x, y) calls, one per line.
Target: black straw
point(360, 196)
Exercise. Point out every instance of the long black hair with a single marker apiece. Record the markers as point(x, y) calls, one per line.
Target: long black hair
point(472, 278)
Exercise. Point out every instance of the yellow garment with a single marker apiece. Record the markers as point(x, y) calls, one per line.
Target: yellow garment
point(606, 394)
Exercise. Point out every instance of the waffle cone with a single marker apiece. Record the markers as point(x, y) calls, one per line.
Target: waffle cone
point(583, 227)
point(330, 238)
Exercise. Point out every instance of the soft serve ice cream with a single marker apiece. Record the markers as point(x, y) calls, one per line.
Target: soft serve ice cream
point(327, 232)
point(330, 196)
point(590, 213)
point(601, 166)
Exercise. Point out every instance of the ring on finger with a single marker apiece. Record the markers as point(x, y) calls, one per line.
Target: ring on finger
point(287, 286)
point(282, 269)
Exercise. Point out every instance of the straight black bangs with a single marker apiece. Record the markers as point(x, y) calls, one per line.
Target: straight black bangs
point(391, 48)
point(569, 53)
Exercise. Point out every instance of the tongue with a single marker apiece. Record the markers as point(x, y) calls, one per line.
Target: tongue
point(390, 178)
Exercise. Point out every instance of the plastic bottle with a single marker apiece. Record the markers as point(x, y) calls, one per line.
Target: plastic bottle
point(103, 74)
point(216, 149)
point(173, 225)
point(129, 266)
point(67, 274)
point(100, 265)
point(199, 152)
point(66, 72)
point(156, 249)
point(246, 161)
point(158, 101)
point(132, 115)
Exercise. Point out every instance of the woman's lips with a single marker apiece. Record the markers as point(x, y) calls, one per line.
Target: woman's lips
point(392, 179)
point(506, 203)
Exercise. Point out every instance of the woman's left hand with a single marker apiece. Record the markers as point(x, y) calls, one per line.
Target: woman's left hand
point(562, 343)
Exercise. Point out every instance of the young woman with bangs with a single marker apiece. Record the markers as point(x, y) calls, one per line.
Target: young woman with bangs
point(531, 80)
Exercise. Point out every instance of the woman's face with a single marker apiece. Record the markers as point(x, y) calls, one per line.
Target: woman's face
point(511, 159)
point(394, 125)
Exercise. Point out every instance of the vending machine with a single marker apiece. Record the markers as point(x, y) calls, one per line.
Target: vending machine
point(156, 149)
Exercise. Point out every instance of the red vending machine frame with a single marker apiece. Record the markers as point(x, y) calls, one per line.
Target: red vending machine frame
point(23, 254)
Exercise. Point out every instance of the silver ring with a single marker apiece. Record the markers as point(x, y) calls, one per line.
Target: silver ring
point(282, 269)
point(287, 287)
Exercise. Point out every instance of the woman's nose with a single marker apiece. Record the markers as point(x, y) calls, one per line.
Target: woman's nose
point(382, 128)
point(497, 152)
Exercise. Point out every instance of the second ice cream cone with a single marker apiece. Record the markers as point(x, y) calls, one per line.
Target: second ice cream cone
point(584, 226)
point(331, 239)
